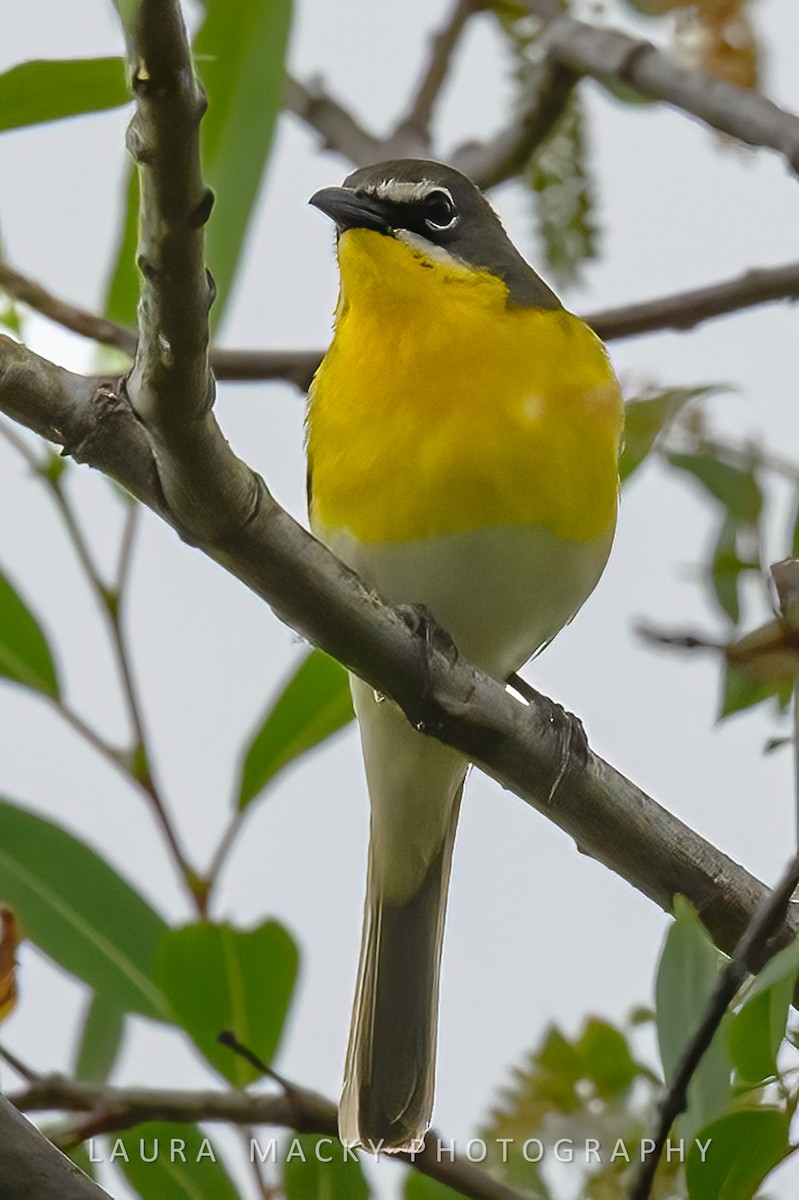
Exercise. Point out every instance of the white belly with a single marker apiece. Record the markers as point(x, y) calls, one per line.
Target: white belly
point(500, 593)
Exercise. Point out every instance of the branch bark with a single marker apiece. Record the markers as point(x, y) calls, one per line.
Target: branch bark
point(33, 1169)
point(609, 55)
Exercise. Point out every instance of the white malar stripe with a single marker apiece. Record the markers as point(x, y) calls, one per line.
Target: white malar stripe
point(433, 252)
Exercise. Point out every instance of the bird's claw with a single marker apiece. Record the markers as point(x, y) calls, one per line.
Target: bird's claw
point(573, 742)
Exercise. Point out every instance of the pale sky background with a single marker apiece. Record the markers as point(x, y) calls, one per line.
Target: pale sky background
point(536, 932)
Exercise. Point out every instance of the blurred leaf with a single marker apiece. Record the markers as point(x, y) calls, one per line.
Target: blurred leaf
point(185, 1163)
point(744, 1147)
point(645, 417)
point(742, 690)
point(122, 290)
point(49, 89)
point(563, 196)
point(314, 703)
point(25, 655)
point(577, 1085)
point(687, 973)
point(9, 941)
point(726, 568)
point(315, 1168)
point(240, 51)
point(10, 317)
point(755, 1033)
point(422, 1187)
point(79, 911)
point(737, 489)
point(217, 978)
point(100, 1040)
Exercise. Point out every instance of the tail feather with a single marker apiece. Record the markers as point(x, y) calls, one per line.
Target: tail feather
point(389, 1081)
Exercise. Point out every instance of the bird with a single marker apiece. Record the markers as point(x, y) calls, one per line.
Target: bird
point(462, 436)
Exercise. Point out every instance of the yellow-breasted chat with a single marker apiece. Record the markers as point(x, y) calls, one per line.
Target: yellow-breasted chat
point(463, 434)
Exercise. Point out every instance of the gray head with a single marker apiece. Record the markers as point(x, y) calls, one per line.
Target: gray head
point(442, 207)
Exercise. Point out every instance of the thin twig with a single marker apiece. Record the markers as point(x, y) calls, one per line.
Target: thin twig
point(414, 128)
point(134, 762)
point(677, 311)
point(747, 956)
point(338, 129)
point(685, 310)
point(137, 761)
point(291, 1107)
point(70, 316)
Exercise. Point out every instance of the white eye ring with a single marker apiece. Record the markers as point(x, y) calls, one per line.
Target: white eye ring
point(442, 197)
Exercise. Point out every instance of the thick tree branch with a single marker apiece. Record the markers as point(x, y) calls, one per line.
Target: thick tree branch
point(608, 55)
point(32, 1167)
point(112, 1109)
point(518, 744)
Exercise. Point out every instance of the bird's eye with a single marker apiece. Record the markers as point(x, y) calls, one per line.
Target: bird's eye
point(439, 210)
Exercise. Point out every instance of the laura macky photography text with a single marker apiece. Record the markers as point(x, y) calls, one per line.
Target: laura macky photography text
point(476, 1150)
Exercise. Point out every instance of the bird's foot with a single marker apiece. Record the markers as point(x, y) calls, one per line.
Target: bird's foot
point(568, 729)
point(421, 621)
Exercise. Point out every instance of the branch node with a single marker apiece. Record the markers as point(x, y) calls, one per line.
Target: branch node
point(202, 211)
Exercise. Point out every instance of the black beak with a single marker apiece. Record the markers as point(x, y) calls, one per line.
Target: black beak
point(350, 210)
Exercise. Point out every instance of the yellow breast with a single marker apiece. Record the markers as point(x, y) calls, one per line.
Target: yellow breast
point(440, 409)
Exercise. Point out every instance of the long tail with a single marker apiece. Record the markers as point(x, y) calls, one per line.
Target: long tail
point(415, 787)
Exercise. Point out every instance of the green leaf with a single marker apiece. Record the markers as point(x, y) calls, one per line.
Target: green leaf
point(10, 317)
point(742, 690)
point(240, 51)
point(314, 703)
point(687, 973)
point(217, 978)
point(100, 1041)
point(756, 1031)
point(25, 655)
point(79, 911)
point(50, 89)
point(605, 1058)
point(744, 1147)
point(737, 489)
point(186, 1164)
point(647, 416)
point(316, 1168)
point(122, 289)
point(726, 568)
point(422, 1187)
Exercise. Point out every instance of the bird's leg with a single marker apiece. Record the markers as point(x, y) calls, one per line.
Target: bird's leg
point(567, 728)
